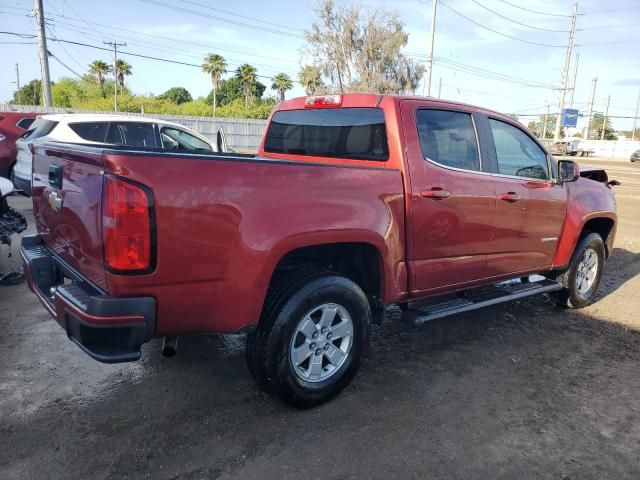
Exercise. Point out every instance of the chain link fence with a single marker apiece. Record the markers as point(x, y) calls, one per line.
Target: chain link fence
point(243, 134)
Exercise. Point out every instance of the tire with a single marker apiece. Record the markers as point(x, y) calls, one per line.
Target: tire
point(578, 292)
point(285, 328)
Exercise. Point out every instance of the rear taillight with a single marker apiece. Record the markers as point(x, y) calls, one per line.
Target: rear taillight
point(128, 226)
point(323, 101)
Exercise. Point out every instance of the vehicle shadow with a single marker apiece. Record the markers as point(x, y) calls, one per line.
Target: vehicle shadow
point(521, 387)
point(621, 267)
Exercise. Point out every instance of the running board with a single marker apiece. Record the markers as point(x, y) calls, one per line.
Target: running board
point(421, 312)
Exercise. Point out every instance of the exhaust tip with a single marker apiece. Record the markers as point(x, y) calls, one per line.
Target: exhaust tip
point(169, 346)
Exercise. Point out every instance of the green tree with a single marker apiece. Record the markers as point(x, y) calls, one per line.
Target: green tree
point(99, 69)
point(66, 92)
point(30, 93)
point(123, 69)
point(281, 83)
point(216, 66)
point(311, 79)
point(596, 125)
point(537, 127)
point(248, 76)
point(230, 89)
point(361, 50)
point(177, 95)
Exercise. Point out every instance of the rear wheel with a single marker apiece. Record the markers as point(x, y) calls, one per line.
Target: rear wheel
point(311, 339)
point(582, 278)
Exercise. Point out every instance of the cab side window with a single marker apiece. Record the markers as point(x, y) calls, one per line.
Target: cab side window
point(517, 154)
point(448, 138)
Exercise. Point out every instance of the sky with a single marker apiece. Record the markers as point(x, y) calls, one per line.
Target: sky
point(269, 35)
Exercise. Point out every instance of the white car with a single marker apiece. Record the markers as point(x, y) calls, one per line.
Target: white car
point(117, 130)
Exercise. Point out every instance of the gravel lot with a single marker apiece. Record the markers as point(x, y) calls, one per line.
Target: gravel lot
point(525, 390)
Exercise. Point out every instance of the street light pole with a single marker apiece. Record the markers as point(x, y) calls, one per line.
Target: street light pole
point(431, 43)
point(585, 132)
point(635, 118)
point(44, 56)
point(565, 74)
point(606, 114)
point(115, 46)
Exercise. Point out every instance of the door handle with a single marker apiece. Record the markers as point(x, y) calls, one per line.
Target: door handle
point(512, 197)
point(436, 193)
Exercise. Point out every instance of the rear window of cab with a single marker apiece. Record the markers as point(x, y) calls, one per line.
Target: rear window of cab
point(352, 133)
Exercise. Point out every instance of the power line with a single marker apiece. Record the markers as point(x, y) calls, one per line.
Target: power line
point(611, 26)
point(535, 11)
point(611, 10)
point(152, 46)
point(64, 64)
point(517, 22)
point(495, 31)
point(221, 19)
point(260, 20)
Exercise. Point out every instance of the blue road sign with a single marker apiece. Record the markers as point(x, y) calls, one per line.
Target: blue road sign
point(569, 117)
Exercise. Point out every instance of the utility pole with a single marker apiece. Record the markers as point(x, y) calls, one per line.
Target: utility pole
point(606, 114)
point(585, 132)
point(44, 56)
point(18, 84)
point(575, 76)
point(115, 46)
point(439, 87)
point(544, 126)
point(635, 118)
point(565, 73)
point(431, 43)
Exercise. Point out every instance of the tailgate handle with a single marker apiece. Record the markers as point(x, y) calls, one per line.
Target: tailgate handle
point(55, 176)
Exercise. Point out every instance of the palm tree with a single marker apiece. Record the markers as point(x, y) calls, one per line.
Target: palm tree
point(310, 79)
point(123, 69)
point(99, 69)
point(216, 66)
point(247, 74)
point(281, 83)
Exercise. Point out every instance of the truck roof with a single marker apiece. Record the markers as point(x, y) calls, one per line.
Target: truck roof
point(374, 99)
point(100, 117)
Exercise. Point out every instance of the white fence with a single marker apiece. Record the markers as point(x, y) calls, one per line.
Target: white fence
point(611, 148)
point(243, 134)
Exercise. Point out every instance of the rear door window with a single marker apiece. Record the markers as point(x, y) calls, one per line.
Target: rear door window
point(132, 134)
point(448, 138)
point(39, 128)
point(91, 131)
point(356, 133)
point(518, 155)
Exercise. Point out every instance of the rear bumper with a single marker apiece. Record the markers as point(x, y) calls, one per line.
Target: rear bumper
point(23, 184)
point(109, 329)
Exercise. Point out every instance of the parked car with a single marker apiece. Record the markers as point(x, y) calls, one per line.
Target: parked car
point(354, 202)
point(635, 156)
point(12, 126)
point(90, 129)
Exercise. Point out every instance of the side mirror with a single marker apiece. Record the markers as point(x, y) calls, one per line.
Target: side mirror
point(568, 171)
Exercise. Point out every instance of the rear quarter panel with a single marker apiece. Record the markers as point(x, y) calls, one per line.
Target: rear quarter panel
point(223, 225)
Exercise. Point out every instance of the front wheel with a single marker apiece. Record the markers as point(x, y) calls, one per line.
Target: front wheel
point(582, 278)
point(311, 338)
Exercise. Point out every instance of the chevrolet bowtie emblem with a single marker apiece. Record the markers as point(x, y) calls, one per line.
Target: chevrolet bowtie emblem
point(55, 202)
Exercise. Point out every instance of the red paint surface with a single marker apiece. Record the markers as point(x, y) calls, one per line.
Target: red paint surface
point(223, 223)
point(9, 129)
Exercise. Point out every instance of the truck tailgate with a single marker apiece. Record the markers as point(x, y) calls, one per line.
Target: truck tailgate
point(67, 192)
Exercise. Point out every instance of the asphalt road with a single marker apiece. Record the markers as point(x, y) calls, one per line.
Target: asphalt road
point(525, 390)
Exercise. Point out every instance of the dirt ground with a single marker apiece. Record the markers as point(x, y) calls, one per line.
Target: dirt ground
point(525, 390)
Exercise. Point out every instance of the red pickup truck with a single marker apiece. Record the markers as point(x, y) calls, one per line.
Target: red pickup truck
point(354, 202)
